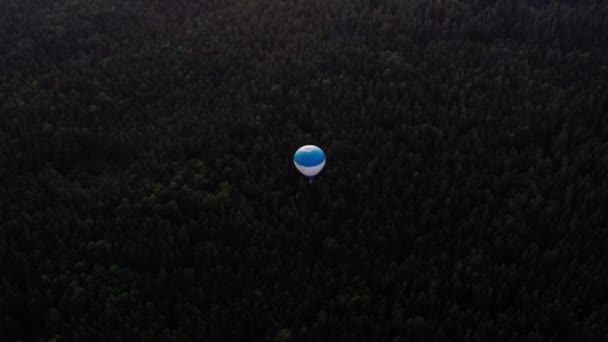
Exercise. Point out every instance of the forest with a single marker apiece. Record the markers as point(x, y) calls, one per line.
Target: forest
point(148, 189)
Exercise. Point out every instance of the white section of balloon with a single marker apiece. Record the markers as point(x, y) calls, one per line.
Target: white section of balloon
point(310, 171)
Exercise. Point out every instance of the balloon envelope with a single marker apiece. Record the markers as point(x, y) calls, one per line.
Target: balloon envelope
point(309, 160)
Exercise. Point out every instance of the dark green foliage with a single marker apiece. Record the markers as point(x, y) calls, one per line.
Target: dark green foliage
point(147, 190)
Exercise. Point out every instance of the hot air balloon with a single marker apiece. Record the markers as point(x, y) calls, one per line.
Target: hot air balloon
point(309, 160)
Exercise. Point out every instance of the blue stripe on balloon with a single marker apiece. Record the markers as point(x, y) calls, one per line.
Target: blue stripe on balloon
point(309, 156)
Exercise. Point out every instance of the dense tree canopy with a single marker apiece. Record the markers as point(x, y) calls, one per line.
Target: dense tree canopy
point(148, 193)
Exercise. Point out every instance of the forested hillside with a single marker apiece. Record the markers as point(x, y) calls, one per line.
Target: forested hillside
point(148, 192)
